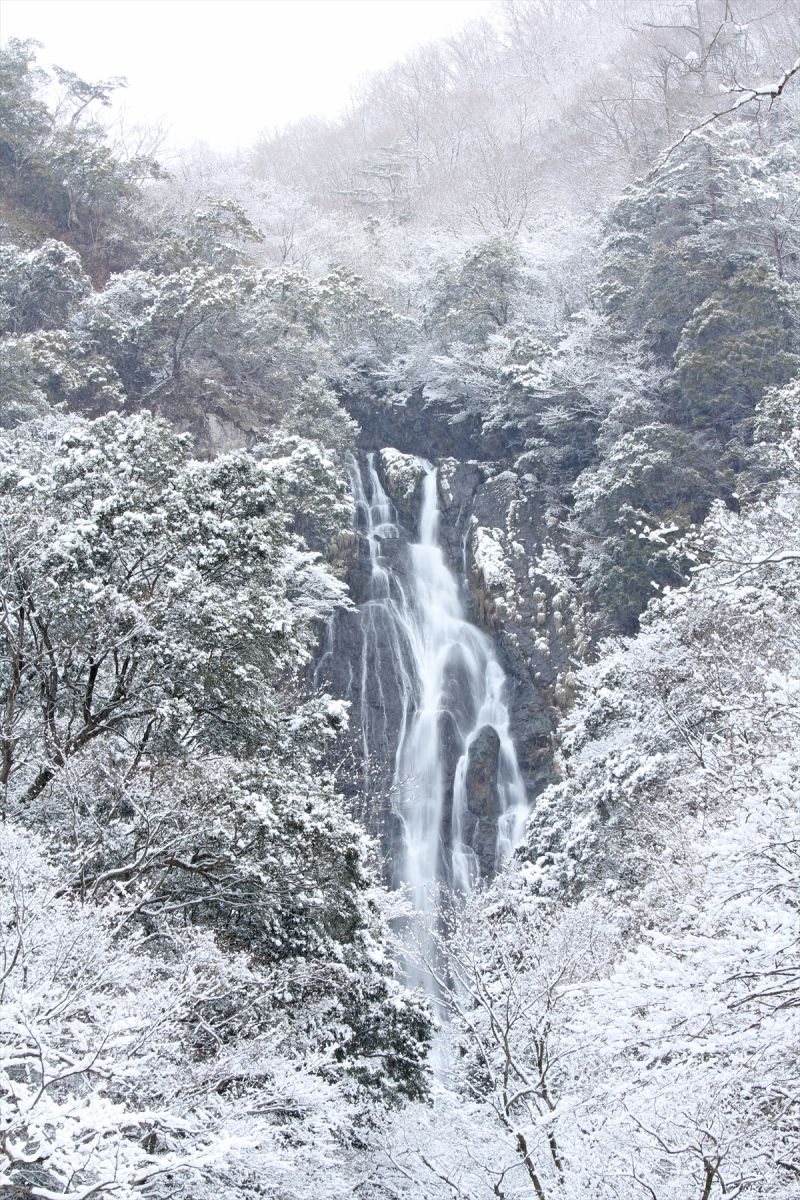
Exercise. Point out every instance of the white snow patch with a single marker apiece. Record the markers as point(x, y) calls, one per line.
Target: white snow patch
point(403, 472)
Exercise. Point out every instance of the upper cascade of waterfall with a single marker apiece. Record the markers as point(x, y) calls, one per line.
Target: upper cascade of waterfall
point(429, 514)
point(456, 786)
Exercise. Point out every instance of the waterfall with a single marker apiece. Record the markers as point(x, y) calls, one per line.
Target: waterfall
point(426, 670)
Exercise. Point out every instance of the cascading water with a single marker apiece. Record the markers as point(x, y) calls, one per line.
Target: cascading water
point(447, 699)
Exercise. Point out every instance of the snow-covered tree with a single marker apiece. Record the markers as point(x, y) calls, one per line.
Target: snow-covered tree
point(158, 613)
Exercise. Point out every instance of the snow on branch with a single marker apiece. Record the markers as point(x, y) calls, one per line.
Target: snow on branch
point(778, 556)
point(743, 96)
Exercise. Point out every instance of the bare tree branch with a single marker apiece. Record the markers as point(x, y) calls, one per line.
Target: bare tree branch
point(744, 96)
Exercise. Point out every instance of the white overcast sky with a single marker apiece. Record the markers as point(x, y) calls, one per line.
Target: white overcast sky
point(220, 71)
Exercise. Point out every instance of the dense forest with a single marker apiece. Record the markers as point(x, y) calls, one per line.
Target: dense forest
point(400, 614)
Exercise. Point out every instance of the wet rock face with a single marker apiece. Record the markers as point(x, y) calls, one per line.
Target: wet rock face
point(494, 529)
point(451, 751)
point(402, 476)
point(356, 663)
point(483, 803)
point(427, 426)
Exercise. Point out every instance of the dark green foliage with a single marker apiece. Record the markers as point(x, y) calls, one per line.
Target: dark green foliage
point(42, 371)
point(654, 477)
point(56, 167)
point(675, 281)
point(475, 297)
point(216, 234)
point(678, 236)
point(40, 289)
point(25, 121)
point(741, 340)
point(656, 470)
point(697, 266)
point(629, 572)
point(661, 255)
point(384, 1037)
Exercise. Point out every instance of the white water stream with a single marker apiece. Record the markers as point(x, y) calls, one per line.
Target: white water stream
point(450, 688)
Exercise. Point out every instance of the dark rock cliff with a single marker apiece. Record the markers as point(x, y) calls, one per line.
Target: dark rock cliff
point(494, 530)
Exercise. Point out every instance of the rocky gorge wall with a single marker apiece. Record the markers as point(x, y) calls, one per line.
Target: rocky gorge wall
point(494, 530)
